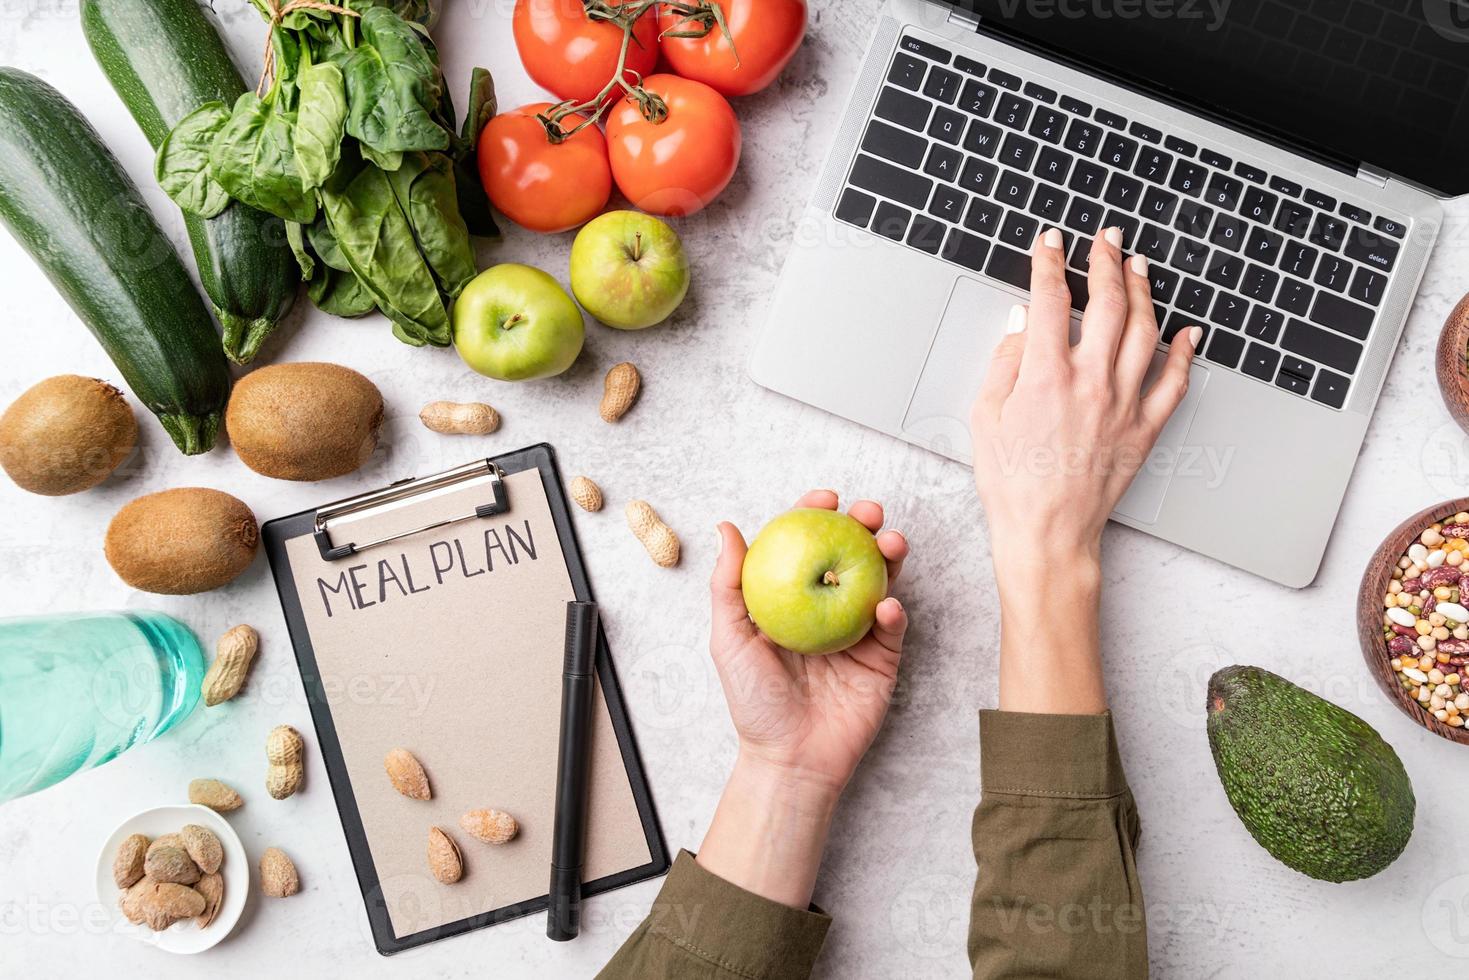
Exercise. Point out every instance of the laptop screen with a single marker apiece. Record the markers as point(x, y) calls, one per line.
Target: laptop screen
point(1380, 81)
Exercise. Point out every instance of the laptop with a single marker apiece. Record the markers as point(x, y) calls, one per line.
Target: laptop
point(1280, 162)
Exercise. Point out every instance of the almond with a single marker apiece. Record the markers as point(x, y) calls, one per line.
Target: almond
point(202, 847)
point(490, 826)
point(159, 904)
point(170, 864)
point(211, 886)
point(444, 859)
point(278, 876)
point(407, 775)
point(127, 867)
point(215, 795)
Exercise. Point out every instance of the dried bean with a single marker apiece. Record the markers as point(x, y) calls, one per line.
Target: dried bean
point(1404, 630)
point(1455, 531)
point(1400, 645)
point(1453, 646)
point(1443, 575)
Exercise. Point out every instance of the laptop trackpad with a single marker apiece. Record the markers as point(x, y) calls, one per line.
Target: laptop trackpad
point(973, 323)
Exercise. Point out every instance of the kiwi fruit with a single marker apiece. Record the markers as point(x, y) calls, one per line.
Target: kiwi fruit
point(178, 542)
point(304, 421)
point(65, 435)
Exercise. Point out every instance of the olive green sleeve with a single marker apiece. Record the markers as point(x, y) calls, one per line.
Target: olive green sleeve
point(1057, 892)
point(701, 926)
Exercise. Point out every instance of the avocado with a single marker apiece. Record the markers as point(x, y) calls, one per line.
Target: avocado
point(1314, 784)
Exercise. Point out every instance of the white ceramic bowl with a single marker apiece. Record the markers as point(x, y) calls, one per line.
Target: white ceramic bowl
point(186, 936)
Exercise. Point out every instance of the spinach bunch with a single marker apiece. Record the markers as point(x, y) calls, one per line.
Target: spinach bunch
point(354, 147)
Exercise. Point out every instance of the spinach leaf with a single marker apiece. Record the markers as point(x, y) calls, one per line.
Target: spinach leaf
point(324, 243)
point(390, 160)
point(393, 86)
point(320, 123)
point(424, 187)
point(341, 294)
point(182, 164)
point(377, 240)
point(254, 160)
point(297, 242)
point(474, 203)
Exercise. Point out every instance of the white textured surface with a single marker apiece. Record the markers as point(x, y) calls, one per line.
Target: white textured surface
point(703, 444)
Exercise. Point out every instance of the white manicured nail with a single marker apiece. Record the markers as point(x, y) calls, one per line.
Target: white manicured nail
point(1195, 335)
point(1113, 236)
point(720, 549)
point(1053, 238)
point(1018, 317)
point(1140, 264)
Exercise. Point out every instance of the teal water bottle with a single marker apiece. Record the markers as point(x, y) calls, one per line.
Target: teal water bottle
point(79, 689)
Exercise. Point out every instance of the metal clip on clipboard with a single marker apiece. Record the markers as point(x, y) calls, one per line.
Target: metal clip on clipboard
point(361, 504)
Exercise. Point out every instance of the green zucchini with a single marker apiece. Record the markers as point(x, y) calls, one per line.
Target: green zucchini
point(66, 200)
point(165, 59)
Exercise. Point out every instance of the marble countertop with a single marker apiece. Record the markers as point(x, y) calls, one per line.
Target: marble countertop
point(704, 444)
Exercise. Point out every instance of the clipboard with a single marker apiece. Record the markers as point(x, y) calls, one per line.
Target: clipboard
point(429, 615)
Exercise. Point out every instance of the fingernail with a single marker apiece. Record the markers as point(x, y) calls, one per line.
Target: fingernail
point(1140, 264)
point(1113, 236)
point(1018, 318)
point(720, 549)
point(1053, 238)
point(1195, 335)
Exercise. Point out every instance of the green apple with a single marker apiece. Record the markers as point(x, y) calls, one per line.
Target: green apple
point(515, 323)
point(628, 269)
point(812, 580)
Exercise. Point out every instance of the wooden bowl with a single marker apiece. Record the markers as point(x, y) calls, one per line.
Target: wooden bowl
point(1453, 372)
point(1369, 610)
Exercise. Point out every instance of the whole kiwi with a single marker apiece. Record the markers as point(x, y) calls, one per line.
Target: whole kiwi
point(304, 421)
point(178, 542)
point(65, 435)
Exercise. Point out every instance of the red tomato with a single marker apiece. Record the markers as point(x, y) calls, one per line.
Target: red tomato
point(766, 34)
point(574, 57)
point(538, 184)
point(679, 165)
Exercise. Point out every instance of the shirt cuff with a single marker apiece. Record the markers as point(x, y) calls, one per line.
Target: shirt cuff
point(734, 929)
point(1049, 755)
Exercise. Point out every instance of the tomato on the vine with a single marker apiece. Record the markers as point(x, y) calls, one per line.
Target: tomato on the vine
point(538, 184)
point(680, 164)
point(572, 54)
point(766, 34)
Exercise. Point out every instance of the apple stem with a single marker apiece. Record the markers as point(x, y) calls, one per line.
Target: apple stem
point(830, 578)
point(514, 319)
point(637, 245)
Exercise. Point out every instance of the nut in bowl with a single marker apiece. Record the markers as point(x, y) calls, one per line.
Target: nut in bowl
point(231, 879)
point(1412, 621)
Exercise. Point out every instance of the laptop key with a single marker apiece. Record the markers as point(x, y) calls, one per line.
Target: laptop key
point(978, 176)
point(1229, 311)
point(1342, 315)
point(872, 174)
point(1013, 189)
point(1189, 256)
point(1226, 348)
point(1081, 293)
point(1040, 92)
point(1372, 249)
point(907, 71)
point(1252, 174)
point(1087, 178)
point(1119, 151)
point(1147, 133)
point(1354, 213)
point(1292, 383)
point(1162, 281)
point(977, 98)
point(1082, 137)
point(1299, 259)
point(1179, 322)
point(982, 138)
point(1223, 192)
point(947, 125)
point(1153, 165)
point(1108, 118)
point(1215, 159)
point(1260, 362)
point(891, 221)
point(1194, 297)
point(1193, 219)
point(1368, 287)
point(897, 145)
point(1013, 111)
point(1330, 388)
point(1287, 187)
point(1159, 205)
point(1084, 216)
point(1264, 324)
point(1329, 232)
point(1259, 283)
point(1048, 124)
point(1225, 269)
point(1123, 191)
point(1129, 225)
point(1017, 151)
point(1009, 266)
point(900, 107)
point(924, 48)
point(1019, 230)
point(927, 234)
point(983, 216)
point(1293, 219)
point(1075, 106)
point(969, 66)
point(942, 162)
point(1188, 178)
point(1154, 242)
point(1290, 364)
point(1264, 246)
point(1322, 346)
point(1294, 296)
point(948, 203)
point(855, 207)
point(1259, 205)
point(1053, 165)
point(1319, 200)
point(1049, 203)
point(966, 250)
point(1394, 228)
point(1004, 79)
point(1334, 273)
point(941, 85)
point(1229, 232)
point(1178, 145)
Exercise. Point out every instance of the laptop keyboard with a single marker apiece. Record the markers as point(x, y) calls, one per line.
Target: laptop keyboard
point(968, 163)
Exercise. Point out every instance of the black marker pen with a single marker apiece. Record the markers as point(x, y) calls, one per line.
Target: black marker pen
point(568, 839)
